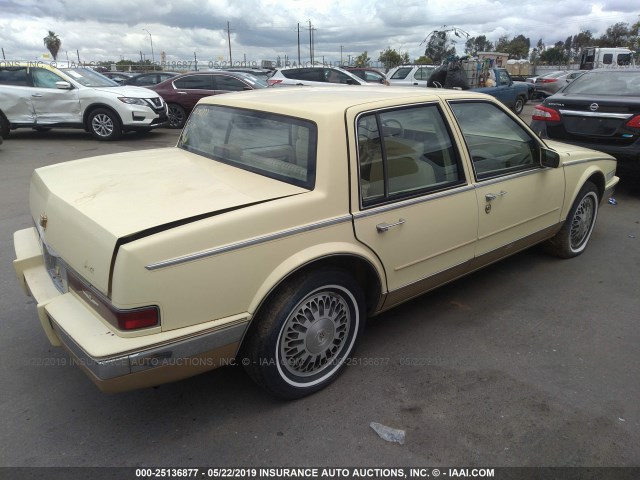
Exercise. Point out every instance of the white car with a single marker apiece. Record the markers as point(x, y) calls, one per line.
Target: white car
point(37, 95)
point(326, 76)
point(410, 75)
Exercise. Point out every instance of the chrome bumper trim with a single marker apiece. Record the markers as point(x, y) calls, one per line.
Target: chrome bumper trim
point(176, 353)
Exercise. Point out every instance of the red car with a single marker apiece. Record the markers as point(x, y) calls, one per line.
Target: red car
point(182, 92)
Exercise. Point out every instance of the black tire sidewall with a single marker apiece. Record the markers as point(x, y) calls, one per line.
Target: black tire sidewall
point(183, 113)
point(266, 346)
point(117, 125)
point(588, 189)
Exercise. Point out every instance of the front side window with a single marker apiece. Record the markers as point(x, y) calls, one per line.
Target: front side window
point(44, 78)
point(424, 73)
point(607, 58)
point(276, 146)
point(497, 144)
point(404, 153)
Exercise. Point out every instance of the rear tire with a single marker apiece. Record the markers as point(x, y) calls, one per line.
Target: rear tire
point(519, 105)
point(574, 235)
point(305, 334)
point(104, 124)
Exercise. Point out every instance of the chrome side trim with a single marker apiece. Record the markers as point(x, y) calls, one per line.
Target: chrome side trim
point(575, 113)
point(247, 243)
point(412, 201)
point(536, 168)
point(176, 353)
point(571, 163)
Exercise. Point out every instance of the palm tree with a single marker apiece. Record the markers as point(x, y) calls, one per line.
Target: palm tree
point(53, 43)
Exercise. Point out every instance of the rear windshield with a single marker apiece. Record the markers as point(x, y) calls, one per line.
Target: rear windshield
point(276, 146)
point(611, 82)
point(89, 78)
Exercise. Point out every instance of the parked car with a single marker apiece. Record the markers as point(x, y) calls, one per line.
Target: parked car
point(149, 78)
point(117, 77)
point(259, 73)
point(318, 76)
point(550, 84)
point(600, 109)
point(282, 220)
point(370, 75)
point(410, 75)
point(43, 97)
point(182, 92)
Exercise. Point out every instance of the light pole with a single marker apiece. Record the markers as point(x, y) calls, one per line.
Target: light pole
point(153, 57)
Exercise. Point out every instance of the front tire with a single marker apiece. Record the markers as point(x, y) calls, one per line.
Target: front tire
point(177, 116)
point(104, 124)
point(574, 235)
point(5, 128)
point(305, 334)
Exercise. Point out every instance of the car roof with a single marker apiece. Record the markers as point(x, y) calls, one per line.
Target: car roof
point(307, 101)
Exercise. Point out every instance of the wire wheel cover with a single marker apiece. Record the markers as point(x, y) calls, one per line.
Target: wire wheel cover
point(582, 221)
point(315, 333)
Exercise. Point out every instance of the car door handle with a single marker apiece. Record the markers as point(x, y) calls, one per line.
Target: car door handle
point(493, 196)
point(37, 95)
point(383, 227)
point(182, 93)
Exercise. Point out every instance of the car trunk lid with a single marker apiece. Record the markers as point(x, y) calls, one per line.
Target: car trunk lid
point(86, 208)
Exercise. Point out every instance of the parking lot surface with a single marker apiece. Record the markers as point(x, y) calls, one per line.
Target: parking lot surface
point(533, 361)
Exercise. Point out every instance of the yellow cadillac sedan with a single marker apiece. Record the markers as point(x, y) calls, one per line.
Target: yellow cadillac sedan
point(281, 220)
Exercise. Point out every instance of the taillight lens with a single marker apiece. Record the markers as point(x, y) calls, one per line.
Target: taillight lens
point(129, 319)
point(549, 80)
point(271, 83)
point(545, 114)
point(634, 122)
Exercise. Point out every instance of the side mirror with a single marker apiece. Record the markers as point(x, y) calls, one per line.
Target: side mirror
point(63, 85)
point(549, 158)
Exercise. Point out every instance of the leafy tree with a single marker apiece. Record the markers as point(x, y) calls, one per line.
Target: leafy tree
point(616, 35)
point(362, 60)
point(439, 46)
point(391, 58)
point(423, 60)
point(580, 41)
point(53, 44)
point(477, 44)
point(555, 55)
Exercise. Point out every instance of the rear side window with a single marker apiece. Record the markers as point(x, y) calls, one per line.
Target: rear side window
point(310, 74)
point(276, 146)
point(13, 76)
point(195, 82)
point(230, 84)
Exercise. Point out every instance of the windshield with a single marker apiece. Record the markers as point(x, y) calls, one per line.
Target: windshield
point(276, 146)
point(89, 78)
point(611, 82)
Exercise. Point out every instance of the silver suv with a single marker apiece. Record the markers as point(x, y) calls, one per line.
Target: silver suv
point(321, 75)
point(39, 96)
point(410, 75)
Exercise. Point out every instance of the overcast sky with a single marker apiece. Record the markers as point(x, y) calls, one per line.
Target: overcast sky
point(267, 29)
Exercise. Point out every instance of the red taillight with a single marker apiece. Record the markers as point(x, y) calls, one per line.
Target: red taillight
point(134, 319)
point(549, 80)
point(634, 122)
point(271, 83)
point(545, 114)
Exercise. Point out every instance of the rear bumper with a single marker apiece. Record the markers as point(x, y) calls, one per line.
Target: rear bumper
point(113, 362)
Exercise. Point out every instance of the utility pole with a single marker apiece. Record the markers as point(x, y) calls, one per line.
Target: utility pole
point(4, 58)
point(153, 57)
point(229, 38)
point(310, 42)
point(341, 47)
point(298, 44)
point(78, 53)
